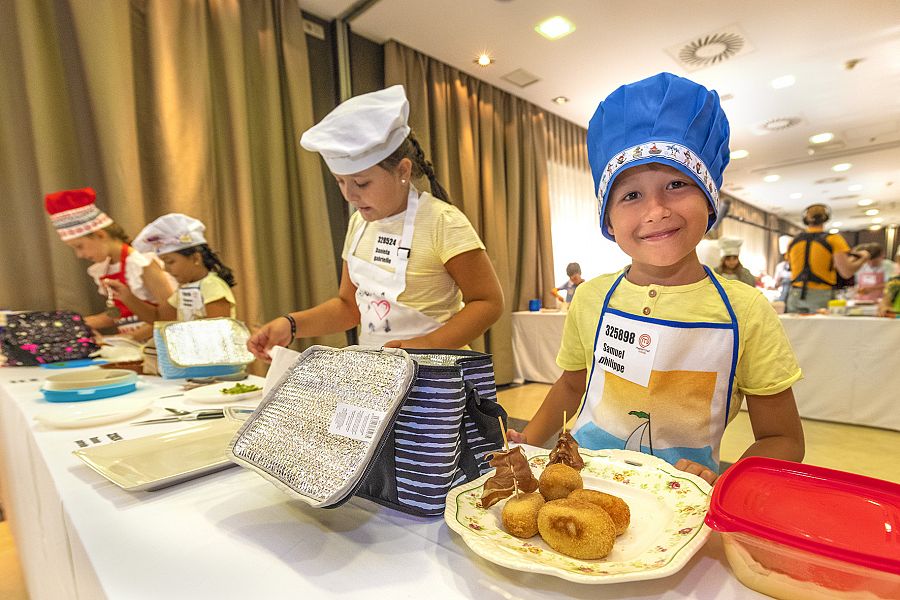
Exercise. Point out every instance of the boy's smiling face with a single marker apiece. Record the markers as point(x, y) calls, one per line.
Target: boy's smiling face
point(658, 215)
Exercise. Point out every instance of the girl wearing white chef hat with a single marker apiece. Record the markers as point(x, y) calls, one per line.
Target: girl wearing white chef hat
point(415, 273)
point(731, 267)
point(204, 283)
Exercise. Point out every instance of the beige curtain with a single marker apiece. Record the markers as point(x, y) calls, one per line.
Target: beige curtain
point(574, 210)
point(192, 106)
point(489, 149)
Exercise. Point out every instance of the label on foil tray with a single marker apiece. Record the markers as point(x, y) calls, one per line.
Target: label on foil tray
point(355, 422)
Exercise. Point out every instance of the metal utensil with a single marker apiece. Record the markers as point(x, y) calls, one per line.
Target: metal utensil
point(218, 378)
point(197, 415)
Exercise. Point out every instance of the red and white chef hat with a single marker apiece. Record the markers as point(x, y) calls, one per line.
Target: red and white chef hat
point(74, 214)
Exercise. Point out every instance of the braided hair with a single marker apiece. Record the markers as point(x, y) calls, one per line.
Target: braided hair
point(211, 262)
point(421, 166)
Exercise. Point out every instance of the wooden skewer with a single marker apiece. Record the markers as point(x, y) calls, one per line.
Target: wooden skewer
point(503, 431)
point(564, 422)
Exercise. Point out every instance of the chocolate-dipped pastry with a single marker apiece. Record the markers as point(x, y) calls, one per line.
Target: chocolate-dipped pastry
point(566, 452)
point(512, 465)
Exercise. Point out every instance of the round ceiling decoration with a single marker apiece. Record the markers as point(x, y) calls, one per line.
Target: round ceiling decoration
point(711, 49)
point(779, 123)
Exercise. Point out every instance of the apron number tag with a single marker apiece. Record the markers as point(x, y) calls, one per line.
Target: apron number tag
point(627, 348)
point(386, 245)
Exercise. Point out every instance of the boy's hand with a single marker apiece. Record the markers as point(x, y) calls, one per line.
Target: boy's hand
point(515, 437)
point(689, 466)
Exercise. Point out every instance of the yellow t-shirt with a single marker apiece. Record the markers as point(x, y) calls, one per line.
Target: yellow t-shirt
point(212, 288)
point(441, 232)
point(821, 261)
point(766, 363)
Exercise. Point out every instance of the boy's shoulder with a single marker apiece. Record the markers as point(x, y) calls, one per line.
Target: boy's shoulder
point(599, 284)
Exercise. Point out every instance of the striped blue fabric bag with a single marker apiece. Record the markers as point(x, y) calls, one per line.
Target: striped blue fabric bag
point(398, 427)
point(445, 433)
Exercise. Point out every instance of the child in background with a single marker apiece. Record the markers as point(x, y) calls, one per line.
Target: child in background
point(731, 267)
point(204, 283)
point(573, 270)
point(660, 356)
point(94, 236)
point(890, 302)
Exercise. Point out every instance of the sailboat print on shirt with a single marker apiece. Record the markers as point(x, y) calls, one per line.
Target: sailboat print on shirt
point(636, 438)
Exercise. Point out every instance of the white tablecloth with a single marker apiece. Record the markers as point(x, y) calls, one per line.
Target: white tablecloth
point(233, 535)
point(851, 368)
point(851, 365)
point(535, 339)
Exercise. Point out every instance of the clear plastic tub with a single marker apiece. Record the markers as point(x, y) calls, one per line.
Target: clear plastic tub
point(798, 531)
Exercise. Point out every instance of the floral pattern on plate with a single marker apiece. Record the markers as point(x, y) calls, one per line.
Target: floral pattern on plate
point(667, 511)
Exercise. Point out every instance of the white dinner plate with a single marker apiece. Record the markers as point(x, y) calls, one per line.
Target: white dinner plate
point(96, 412)
point(667, 511)
point(212, 394)
point(163, 459)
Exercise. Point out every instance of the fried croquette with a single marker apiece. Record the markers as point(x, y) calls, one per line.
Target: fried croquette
point(558, 480)
point(615, 507)
point(576, 528)
point(520, 515)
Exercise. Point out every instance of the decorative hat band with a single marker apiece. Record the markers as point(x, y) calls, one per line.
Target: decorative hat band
point(80, 221)
point(670, 151)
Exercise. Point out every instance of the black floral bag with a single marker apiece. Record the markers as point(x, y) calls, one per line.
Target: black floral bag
point(34, 338)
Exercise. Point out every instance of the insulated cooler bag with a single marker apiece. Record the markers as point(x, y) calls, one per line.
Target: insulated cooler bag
point(398, 427)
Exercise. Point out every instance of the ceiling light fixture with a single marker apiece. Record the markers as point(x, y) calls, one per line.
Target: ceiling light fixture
point(560, 100)
point(785, 81)
point(834, 230)
point(796, 196)
point(821, 138)
point(739, 154)
point(838, 223)
point(866, 202)
point(878, 220)
point(874, 227)
point(872, 212)
point(555, 28)
point(841, 167)
point(771, 178)
point(484, 60)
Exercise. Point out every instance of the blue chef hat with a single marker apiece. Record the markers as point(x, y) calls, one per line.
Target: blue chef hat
point(665, 119)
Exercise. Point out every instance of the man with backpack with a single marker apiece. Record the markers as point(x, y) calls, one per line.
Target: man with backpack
point(819, 262)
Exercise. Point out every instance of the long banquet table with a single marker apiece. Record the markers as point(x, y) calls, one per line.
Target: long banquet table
point(233, 535)
point(851, 369)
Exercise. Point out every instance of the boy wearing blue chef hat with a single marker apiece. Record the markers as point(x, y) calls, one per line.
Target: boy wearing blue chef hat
point(660, 356)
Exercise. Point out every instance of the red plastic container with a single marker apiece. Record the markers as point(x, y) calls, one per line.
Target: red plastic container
point(799, 531)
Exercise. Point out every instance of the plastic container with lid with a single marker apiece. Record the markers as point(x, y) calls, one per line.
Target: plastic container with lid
point(799, 531)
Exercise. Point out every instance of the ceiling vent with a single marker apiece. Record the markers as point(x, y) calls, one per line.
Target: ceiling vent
point(779, 124)
point(711, 49)
point(845, 197)
point(827, 180)
point(521, 78)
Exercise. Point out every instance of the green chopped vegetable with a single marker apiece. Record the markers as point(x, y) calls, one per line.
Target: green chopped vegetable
point(240, 388)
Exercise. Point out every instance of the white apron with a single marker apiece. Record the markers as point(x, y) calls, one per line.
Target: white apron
point(678, 408)
point(382, 318)
point(190, 302)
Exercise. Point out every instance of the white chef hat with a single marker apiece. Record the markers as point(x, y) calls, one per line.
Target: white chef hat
point(170, 233)
point(730, 246)
point(360, 132)
point(784, 243)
